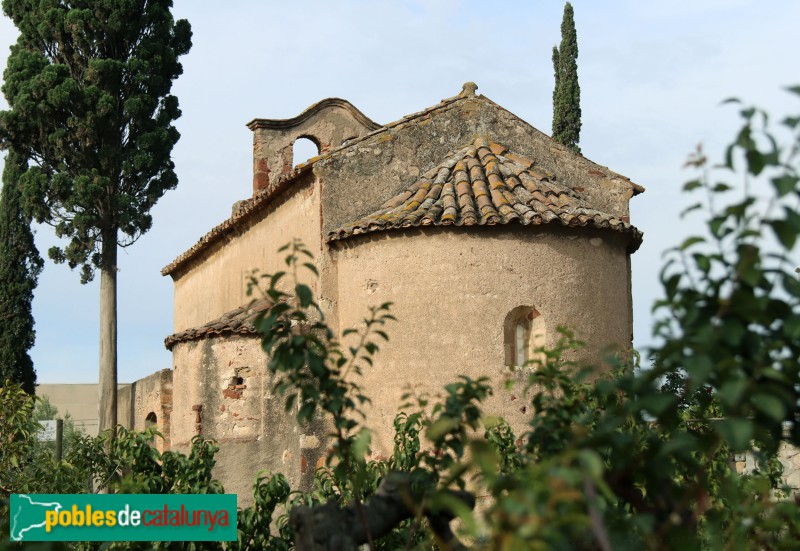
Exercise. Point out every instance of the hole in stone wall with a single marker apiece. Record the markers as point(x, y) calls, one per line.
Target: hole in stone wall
point(151, 420)
point(237, 381)
point(303, 149)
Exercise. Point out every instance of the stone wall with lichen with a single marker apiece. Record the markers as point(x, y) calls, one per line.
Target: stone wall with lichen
point(788, 455)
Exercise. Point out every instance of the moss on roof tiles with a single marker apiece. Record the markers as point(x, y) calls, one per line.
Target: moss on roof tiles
point(485, 184)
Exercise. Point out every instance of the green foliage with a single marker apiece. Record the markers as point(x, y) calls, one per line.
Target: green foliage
point(619, 457)
point(567, 91)
point(312, 367)
point(20, 265)
point(44, 411)
point(88, 88)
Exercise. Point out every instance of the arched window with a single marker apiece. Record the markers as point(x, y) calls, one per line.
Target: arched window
point(151, 420)
point(303, 149)
point(523, 334)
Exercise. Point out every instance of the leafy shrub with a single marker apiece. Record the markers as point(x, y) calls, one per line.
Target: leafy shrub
point(630, 458)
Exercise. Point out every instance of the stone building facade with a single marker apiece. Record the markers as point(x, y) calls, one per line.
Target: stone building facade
point(485, 233)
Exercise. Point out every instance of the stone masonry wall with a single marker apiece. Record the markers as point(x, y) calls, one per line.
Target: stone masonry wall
point(223, 391)
point(452, 290)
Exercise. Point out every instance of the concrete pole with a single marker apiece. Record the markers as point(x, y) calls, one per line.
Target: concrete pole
point(59, 438)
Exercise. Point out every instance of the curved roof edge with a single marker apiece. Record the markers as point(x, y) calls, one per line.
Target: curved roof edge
point(284, 124)
point(486, 184)
point(236, 322)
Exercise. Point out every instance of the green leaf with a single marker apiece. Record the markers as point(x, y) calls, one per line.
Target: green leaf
point(698, 367)
point(691, 208)
point(690, 241)
point(304, 294)
point(791, 122)
point(736, 432)
point(785, 233)
point(791, 326)
point(731, 392)
point(361, 443)
point(591, 463)
point(785, 184)
point(691, 185)
point(657, 404)
point(702, 261)
point(770, 406)
point(441, 426)
point(306, 412)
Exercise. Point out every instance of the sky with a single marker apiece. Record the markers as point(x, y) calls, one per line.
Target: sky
point(653, 75)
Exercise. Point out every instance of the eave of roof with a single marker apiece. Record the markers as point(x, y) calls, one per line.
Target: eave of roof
point(236, 322)
point(486, 184)
point(245, 210)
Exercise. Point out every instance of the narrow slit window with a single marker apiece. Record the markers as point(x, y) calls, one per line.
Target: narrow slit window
point(519, 339)
point(523, 333)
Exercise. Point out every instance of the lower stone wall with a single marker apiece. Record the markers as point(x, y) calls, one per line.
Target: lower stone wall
point(223, 391)
point(148, 402)
point(788, 455)
point(790, 458)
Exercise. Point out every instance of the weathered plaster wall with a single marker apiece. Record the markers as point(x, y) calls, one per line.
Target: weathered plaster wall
point(790, 458)
point(223, 391)
point(328, 124)
point(216, 282)
point(357, 180)
point(452, 290)
point(147, 397)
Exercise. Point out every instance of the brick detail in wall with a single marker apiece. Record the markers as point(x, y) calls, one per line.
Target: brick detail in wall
point(235, 389)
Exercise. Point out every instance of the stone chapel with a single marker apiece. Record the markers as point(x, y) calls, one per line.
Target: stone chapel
point(486, 234)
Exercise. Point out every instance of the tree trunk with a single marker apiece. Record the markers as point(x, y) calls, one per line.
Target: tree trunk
point(327, 527)
point(108, 332)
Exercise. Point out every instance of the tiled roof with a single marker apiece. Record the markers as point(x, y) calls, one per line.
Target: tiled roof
point(238, 321)
point(485, 184)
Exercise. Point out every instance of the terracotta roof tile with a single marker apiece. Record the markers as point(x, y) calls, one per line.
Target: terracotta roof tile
point(238, 321)
point(485, 184)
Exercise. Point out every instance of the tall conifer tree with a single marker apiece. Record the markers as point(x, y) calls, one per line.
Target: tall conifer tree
point(567, 92)
point(88, 84)
point(20, 265)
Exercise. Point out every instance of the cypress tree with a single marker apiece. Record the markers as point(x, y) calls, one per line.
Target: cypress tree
point(88, 87)
point(567, 92)
point(20, 265)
